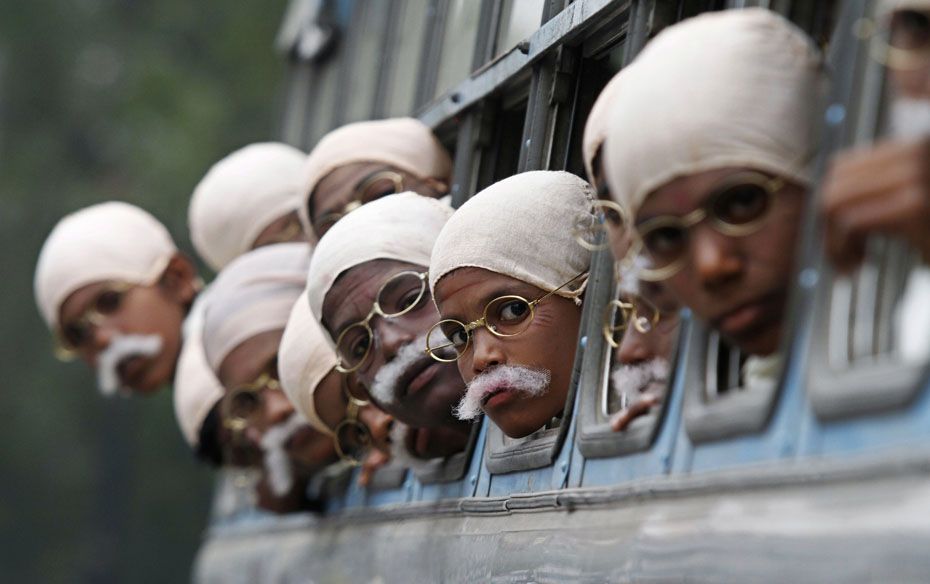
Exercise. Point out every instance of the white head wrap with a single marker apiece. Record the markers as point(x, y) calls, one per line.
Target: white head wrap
point(240, 196)
point(522, 227)
point(400, 227)
point(196, 388)
point(403, 143)
point(305, 358)
point(732, 88)
point(595, 128)
point(886, 6)
point(252, 295)
point(109, 241)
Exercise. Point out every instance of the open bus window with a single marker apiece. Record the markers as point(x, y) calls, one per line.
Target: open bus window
point(872, 323)
point(632, 347)
point(871, 332)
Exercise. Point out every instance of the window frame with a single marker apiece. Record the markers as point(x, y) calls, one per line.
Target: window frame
point(859, 92)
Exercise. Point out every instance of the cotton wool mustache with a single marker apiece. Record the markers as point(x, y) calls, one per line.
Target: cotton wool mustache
point(384, 387)
point(527, 380)
point(123, 347)
point(277, 461)
point(629, 381)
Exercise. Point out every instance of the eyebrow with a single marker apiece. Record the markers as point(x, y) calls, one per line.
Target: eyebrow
point(346, 323)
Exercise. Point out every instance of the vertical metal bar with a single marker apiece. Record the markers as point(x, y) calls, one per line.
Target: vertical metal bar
point(294, 117)
point(639, 28)
point(359, 9)
point(488, 24)
point(733, 369)
point(464, 170)
point(432, 52)
point(390, 49)
point(711, 371)
point(535, 128)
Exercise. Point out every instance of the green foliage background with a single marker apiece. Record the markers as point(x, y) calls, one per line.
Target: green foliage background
point(99, 100)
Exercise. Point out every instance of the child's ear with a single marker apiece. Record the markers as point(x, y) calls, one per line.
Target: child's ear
point(179, 280)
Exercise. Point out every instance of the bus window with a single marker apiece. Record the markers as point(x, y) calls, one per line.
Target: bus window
point(872, 321)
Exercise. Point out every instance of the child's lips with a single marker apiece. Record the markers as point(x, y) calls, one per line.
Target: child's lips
point(130, 370)
point(498, 396)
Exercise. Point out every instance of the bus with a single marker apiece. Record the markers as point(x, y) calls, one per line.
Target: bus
point(822, 477)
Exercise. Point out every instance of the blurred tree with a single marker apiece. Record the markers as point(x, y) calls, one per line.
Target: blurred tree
point(100, 100)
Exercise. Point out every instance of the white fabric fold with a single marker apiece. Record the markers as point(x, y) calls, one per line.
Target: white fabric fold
point(737, 88)
point(196, 388)
point(406, 144)
point(522, 227)
point(305, 358)
point(886, 6)
point(252, 295)
point(111, 241)
point(595, 128)
point(240, 196)
point(400, 227)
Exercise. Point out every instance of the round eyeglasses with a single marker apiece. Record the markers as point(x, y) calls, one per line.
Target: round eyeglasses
point(590, 229)
point(399, 295)
point(901, 41)
point(351, 437)
point(628, 310)
point(504, 316)
point(241, 407)
point(374, 186)
point(736, 208)
point(77, 333)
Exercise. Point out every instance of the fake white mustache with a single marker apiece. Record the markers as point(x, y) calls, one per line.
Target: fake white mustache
point(629, 381)
point(384, 387)
point(121, 348)
point(527, 380)
point(277, 462)
point(910, 118)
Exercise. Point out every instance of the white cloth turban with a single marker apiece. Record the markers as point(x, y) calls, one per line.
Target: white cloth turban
point(109, 241)
point(886, 6)
point(305, 358)
point(404, 143)
point(252, 295)
point(733, 88)
point(240, 196)
point(400, 227)
point(196, 388)
point(522, 227)
point(595, 128)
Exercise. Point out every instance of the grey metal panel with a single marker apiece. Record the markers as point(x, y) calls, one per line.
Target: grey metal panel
point(860, 520)
point(537, 450)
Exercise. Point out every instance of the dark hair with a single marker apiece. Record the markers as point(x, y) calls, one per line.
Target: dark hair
point(208, 447)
